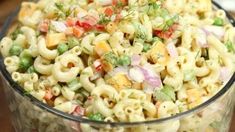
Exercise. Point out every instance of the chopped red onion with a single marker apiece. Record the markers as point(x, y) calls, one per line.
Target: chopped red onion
point(215, 30)
point(135, 60)
point(59, 26)
point(123, 70)
point(224, 74)
point(172, 49)
point(136, 75)
point(201, 38)
point(151, 78)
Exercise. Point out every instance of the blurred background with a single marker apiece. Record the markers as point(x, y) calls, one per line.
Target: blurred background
point(6, 6)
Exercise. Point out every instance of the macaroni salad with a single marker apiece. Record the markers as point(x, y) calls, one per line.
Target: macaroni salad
point(120, 60)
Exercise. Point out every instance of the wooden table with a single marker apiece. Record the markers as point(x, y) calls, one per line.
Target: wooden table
point(5, 125)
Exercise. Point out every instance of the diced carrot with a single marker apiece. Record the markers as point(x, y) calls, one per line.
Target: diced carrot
point(70, 22)
point(78, 32)
point(101, 48)
point(48, 94)
point(108, 11)
point(69, 31)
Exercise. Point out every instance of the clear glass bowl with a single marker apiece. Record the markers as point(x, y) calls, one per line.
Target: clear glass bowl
point(31, 115)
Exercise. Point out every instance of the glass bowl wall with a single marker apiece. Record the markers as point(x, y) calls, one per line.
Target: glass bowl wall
point(31, 115)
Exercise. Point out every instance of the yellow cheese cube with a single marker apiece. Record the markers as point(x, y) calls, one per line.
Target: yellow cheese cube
point(119, 81)
point(102, 47)
point(53, 39)
point(158, 54)
point(27, 9)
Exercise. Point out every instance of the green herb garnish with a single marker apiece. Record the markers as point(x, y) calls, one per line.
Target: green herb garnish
point(104, 19)
point(16, 33)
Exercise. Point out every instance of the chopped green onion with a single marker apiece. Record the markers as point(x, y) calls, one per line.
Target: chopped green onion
point(62, 48)
point(96, 117)
point(216, 124)
point(140, 31)
point(218, 21)
point(189, 75)
point(59, 6)
point(104, 19)
point(111, 58)
point(72, 42)
point(25, 63)
point(230, 46)
point(124, 60)
point(31, 69)
point(167, 93)
point(74, 85)
point(16, 33)
point(15, 50)
point(147, 47)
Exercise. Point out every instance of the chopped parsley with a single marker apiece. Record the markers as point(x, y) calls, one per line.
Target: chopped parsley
point(104, 19)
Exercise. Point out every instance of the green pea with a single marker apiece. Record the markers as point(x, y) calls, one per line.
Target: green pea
point(96, 117)
point(146, 47)
point(25, 63)
point(124, 60)
point(62, 48)
point(218, 21)
point(15, 49)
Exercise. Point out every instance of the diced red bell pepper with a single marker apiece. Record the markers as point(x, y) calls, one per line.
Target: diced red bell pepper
point(100, 27)
point(86, 26)
point(166, 34)
point(108, 12)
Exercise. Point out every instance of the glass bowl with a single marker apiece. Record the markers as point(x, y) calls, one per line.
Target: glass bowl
point(31, 115)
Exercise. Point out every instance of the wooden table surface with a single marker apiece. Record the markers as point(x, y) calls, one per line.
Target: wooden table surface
point(5, 125)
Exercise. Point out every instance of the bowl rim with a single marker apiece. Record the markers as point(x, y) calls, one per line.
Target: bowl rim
point(81, 119)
